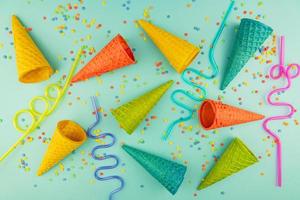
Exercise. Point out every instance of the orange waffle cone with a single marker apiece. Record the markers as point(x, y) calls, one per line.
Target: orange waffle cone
point(114, 55)
point(214, 114)
point(67, 137)
point(31, 64)
point(180, 53)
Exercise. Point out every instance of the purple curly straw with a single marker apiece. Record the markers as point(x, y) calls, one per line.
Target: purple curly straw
point(96, 157)
point(286, 73)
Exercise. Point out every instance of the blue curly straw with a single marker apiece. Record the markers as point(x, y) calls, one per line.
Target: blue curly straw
point(94, 155)
point(215, 71)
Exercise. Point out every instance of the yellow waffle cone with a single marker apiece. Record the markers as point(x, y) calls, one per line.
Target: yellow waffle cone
point(180, 53)
point(67, 137)
point(131, 114)
point(31, 64)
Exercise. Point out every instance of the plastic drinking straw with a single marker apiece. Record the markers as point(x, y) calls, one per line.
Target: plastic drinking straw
point(34, 113)
point(285, 72)
point(216, 39)
point(215, 71)
point(94, 155)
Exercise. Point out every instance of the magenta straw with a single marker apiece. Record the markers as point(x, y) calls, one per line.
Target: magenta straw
point(285, 72)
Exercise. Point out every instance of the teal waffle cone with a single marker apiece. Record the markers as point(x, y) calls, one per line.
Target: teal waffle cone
point(131, 114)
point(250, 36)
point(170, 174)
point(235, 158)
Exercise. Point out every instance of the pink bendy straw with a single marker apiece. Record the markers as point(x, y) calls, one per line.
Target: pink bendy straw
point(285, 72)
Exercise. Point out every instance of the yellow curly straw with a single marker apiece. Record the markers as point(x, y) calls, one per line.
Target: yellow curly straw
point(32, 111)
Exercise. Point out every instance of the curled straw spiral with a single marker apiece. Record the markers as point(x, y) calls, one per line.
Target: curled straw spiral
point(37, 117)
point(215, 71)
point(286, 72)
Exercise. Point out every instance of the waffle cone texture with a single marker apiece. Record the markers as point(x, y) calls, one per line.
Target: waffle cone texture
point(32, 66)
point(180, 53)
point(236, 157)
point(67, 137)
point(131, 114)
point(114, 55)
point(250, 36)
point(168, 173)
point(214, 114)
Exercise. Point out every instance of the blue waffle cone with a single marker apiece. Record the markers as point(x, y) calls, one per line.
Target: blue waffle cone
point(250, 36)
point(170, 174)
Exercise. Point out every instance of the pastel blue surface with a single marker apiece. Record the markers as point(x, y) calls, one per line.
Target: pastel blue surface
point(194, 20)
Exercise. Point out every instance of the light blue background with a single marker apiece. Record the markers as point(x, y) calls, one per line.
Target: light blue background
point(179, 17)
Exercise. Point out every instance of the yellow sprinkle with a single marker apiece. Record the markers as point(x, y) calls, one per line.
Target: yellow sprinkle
point(178, 148)
point(100, 141)
point(103, 2)
point(245, 83)
point(122, 86)
point(215, 82)
point(99, 80)
point(61, 167)
point(88, 37)
point(93, 21)
point(123, 170)
point(146, 13)
point(260, 3)
point(92, 181)
point(75, 42)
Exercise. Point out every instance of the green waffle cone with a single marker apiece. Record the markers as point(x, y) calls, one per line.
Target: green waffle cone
point(235, 158)
point(131, 114)
point(170, 174)
point(250, 36)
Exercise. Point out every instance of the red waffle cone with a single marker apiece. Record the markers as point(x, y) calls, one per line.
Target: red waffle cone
point(214, 114)
point(114, 55)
